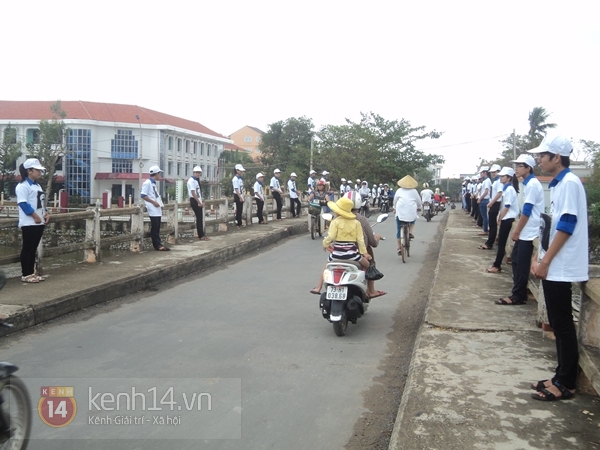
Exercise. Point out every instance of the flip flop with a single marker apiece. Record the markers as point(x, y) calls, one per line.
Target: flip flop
point(314, 291)
point(502, 301)
point(163, 249)
point(493, 271)
point(484, 247)
point(379, 294)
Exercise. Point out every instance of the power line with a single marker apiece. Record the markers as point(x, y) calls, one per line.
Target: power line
point(468, 142)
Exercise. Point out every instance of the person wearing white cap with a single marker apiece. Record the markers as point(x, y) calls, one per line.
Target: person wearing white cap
point(33, 216)
point(154, 206)
point(510, 210)
point(343, 186)
point(493, 208)
point(259, 197)
point(484, 198)
point(196, 202)
point(276, 190)
point(562, 259)
point(312, 179)
point(238, 193)
point(294, 200)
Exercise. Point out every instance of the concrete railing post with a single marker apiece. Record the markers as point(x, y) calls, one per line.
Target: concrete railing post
point(223, 213)
point(173, 222)
point(137, 230)
point(248, 208)
point(92, 234)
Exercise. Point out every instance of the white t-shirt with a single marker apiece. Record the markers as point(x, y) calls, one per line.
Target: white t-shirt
point(426, 195)
point(258, 190)
point(292, 188)
point(194, 186)
point(510, 200)
point(534, 194)
point(238, 183)
point(275, 186)
point(571, 262)
point(487, 184)
point(149, 190)
point(33, 194)
point(406, 203)
point(496, 186)
point(311, 183)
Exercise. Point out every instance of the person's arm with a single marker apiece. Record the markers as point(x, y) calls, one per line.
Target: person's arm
point(360, 240)
point(29, 211)
point(540, 270)
point(371, 241)
point(495, 199)
point(146, 197)
point(525, 214)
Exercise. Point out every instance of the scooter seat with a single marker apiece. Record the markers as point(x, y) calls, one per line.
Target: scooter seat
point(345, 261)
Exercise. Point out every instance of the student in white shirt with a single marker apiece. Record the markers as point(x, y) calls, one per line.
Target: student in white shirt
point(563, 261)
point(294, 200)
point(311, 182)
point(276, 190)
point(238, 193)
point(259, 197)
point(493, 208)
point(154, 206)
point(33, 216)
point(510, 210)
point(196, 202)
point(484, 198)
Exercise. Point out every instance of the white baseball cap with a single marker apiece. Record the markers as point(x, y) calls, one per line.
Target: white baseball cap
point(525, 159)
point(484, 169)
point(259, 175)
point(154, 170)
point(240, 167)
point(33, 163)
point(325, 173)
point(554, 143)
point(311, 172)
point(343, 179)
point(277, 171)
point(495, 168)
point(293, 174)
point(197, 169)
point(507, 171)
point(349, 181)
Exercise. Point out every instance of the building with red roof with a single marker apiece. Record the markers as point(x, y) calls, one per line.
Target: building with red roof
point(109, 144)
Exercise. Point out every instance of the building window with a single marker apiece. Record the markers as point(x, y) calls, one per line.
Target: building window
point(10, 135)
point(122, 166)
point(187, 146)
point(78, 165)
point(257, 138)
point(248, 139)
point(170, 167)
point(257, 150)
point(202, 149)
point(208, 171)
point(33, 136)
point(195, 147)
point(170, 143)
point(187, 170)
point(207, 149)
point(179, 145)
point(178, 169)
point(215, 172)
point(124, 145)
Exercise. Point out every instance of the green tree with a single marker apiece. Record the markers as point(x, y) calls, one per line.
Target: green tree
point(375, 148)
point(51, 147)
point(10, 150)
point(538, 126)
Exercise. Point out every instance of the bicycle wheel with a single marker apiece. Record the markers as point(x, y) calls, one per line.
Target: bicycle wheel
point(312, 227)
point(319, 230)
point(407, 240)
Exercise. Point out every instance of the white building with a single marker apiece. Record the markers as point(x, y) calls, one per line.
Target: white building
point(108, 144)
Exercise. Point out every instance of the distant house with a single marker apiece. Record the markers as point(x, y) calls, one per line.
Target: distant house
point(248, 138)
point(109, 144)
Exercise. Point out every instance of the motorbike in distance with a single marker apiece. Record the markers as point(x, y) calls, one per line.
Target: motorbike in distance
point(427, 211)
point(15, 404)
point(345, 298)
point(385, 203)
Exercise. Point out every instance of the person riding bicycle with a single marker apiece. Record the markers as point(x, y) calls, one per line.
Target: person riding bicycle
point(318, 198)
point(407, 204)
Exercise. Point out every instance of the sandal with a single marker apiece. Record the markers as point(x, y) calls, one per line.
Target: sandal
point(490, 270)
point(550, 397)
point(540, 385)
point(204, 238)
point(484, 247)
point(162, 248)
point(315, 291)
point(33, 278)
point(378, 294)
point(504, 301)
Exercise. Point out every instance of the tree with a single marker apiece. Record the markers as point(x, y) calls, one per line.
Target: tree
point(538, 126)
point(51, 147)
point(375, 148)
point(10, 150)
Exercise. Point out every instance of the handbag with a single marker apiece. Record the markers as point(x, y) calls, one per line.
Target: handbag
point(372, 273)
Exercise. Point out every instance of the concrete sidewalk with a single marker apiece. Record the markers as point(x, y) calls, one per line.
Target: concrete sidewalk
point(69, 288)
point(474, 361)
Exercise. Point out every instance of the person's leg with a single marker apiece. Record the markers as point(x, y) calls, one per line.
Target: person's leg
point(483, 211)
point(558, 298)
point(505, 226)
point(299, 206)
point(198, 213)
point(493, 225)
point(32, 236)
point(319, 285)
point(155, 232)
point(238, 209)
point(259, 209)
point(521, 264)
point(399, 234)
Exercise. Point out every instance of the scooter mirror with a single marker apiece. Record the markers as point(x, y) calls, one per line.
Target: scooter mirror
point(382, 217)
point(327, 216)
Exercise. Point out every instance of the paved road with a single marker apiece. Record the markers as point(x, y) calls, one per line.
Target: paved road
point(249, 330)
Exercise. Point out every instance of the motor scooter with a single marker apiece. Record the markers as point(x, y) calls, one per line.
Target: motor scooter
point(15, 404)
point(345, 298)
point(427, 211)
point(385, 203)
point(364, 206)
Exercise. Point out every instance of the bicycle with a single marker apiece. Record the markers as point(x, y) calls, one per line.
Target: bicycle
point(405, 241)
point(314, 210)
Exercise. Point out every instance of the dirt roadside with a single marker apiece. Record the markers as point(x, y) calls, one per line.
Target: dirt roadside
point(374, 428)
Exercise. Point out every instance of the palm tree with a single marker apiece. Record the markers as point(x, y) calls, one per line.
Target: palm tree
point(538, 126)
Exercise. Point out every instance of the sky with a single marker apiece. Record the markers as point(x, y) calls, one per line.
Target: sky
point(471, 69)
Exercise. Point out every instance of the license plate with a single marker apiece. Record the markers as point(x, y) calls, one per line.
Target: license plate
point(426, 207)
point(336, 292)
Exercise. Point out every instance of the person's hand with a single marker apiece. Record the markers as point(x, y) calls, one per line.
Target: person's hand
point(46, 218)
point(329, 249)
point(367, 257)
point(36, 218)
point(515, 236)
point(479, 201)
point(539, 270)
point(377, 236)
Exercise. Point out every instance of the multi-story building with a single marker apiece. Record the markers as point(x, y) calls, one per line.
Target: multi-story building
point(248, 138)
point(109, 144)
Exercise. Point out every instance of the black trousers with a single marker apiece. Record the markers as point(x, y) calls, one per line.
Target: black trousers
point(493, 225)
point(279, 201)
point(474, 208)
point(32, 235)
point(239, 207)
point(558, 303)
point(155, 231)
point(199, 216)
point(259, 209)
point(505, 227)
point(295, 207)
point(468, 202)
point(521, 264)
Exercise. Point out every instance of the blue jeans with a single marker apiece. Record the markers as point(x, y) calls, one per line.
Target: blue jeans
point(484, 213)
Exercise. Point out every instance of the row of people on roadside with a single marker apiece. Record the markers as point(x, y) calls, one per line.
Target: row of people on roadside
point(562, 256)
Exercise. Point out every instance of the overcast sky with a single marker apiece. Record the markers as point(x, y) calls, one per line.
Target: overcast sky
point(471, 69)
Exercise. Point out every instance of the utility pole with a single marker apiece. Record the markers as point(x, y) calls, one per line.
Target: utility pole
point(312, 148)
point(141, 164)
point(514, 145)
